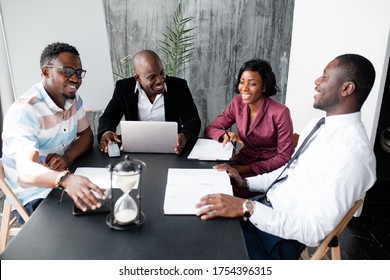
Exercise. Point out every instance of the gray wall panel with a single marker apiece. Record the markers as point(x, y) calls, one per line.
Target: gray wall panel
point(229, 33)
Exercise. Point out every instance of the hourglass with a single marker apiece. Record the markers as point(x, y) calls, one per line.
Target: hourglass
point(126, 212)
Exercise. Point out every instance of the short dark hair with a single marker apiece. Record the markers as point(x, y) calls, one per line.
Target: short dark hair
point(265, 70)
point(53, 50)
point(360, 71)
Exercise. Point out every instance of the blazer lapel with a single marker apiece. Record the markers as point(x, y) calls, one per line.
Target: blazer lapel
point(263, 108)
point(134, 105)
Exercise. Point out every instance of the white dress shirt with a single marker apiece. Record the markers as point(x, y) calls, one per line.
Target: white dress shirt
point(150, 111)
point(335, 169)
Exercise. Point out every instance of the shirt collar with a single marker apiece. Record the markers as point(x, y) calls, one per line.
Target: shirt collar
point(344, 119)
point(139, 88)
point(50, 102)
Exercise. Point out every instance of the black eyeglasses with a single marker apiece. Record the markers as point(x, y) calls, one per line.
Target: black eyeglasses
point(68, 71)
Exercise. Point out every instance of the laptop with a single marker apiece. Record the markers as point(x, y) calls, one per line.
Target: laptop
point(148, 136)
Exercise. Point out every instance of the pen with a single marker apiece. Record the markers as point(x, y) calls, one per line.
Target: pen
point(227, 134)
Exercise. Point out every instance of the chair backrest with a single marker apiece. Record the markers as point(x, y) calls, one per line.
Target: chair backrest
point(93, 119)
point(331, 240)
point(295, 139)
point(6, 189)
point(12, 203)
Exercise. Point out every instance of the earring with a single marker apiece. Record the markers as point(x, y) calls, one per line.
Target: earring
point(263, 89)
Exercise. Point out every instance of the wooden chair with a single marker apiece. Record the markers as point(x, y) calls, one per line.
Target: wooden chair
point(11, 203)
point(331, 240)
point(295, 139)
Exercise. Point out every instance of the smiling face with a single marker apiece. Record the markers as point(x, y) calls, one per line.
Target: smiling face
point(151, 76)
point(329, 88)
point(250, 87)
point(59, 87)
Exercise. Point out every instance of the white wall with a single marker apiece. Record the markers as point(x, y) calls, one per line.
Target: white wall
point(6, 90)
point(323, 30)
point(31, 25)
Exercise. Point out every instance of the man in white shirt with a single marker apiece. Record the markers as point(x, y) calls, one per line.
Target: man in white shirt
point(335, 169)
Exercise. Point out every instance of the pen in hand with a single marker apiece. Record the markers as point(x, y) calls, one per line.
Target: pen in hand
point(227, 134)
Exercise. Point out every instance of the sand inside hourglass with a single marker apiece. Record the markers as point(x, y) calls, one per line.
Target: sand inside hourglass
point(125, 216)
point(126, 181)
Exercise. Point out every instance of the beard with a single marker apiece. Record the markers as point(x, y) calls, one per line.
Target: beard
point(327, 102)
point(68, 96)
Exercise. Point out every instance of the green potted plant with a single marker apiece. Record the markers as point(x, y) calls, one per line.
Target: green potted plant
point(178, 47)
point(179, 44)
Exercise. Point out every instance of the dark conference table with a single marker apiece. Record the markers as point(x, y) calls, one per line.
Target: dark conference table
point(53, 233)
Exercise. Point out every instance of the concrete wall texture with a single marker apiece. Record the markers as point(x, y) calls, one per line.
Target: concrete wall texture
point(228, 33)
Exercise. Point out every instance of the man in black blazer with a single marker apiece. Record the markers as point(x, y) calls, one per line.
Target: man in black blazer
point(150, 96)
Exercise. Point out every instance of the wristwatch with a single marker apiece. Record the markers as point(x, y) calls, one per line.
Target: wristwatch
point(248, 207)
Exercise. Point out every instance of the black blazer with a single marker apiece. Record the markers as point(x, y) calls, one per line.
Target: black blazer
point(178, 103)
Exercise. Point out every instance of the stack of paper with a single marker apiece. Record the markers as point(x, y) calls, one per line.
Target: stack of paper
point(185, 188)
point(209, 149)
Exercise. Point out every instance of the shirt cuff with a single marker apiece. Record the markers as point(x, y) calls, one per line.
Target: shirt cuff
point(260, 217)
point(251, 181)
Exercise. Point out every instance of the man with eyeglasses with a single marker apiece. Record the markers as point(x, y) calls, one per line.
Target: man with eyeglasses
point(45, 130)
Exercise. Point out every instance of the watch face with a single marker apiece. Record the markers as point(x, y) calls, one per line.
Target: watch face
point(249, 206)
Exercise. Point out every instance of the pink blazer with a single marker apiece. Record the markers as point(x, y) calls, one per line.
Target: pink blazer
point(268, 142)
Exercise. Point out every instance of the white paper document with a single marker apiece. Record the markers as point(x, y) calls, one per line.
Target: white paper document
point(100, 176)
point(209, 149)
point(185, 188)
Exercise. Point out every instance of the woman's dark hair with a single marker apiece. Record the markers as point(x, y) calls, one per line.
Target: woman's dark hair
point(265, 70)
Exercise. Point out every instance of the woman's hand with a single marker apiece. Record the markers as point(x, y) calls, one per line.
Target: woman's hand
point(232, 137)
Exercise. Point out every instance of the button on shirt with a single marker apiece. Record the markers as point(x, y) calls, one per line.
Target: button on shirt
point(335, 169)
point(148, 111)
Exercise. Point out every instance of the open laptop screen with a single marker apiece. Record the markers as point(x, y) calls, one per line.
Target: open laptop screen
point(148, 136)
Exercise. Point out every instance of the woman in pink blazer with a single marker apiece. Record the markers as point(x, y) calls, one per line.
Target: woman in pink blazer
point(264, 126)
